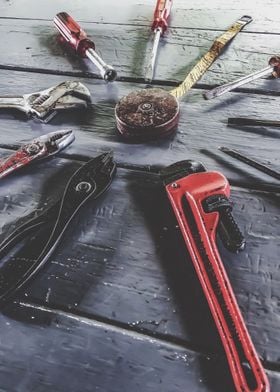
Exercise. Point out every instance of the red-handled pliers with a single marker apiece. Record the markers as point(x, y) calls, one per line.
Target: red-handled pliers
point(42, 147)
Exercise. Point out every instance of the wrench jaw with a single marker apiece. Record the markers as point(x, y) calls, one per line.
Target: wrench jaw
point(228, 229)
point(180, 169)
point(44, 104)
point(197, 199)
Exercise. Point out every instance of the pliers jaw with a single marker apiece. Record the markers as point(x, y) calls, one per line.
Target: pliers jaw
point(95, 176)
point(42, 147)
point(54, 142)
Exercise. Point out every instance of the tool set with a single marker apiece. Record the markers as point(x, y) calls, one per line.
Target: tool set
point(201, 205)
point(199, 198)
point(83, 46)
point(159, 26)
point(150, 113)
point(272, 70)
point(44, 105)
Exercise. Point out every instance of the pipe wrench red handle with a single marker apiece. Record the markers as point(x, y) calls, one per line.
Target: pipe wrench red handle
point(198, 199)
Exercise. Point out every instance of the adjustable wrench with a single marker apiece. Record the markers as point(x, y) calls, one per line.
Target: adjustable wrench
point(200, 202)
point(44, 104)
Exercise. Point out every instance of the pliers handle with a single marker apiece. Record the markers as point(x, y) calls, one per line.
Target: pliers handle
point(88, 182)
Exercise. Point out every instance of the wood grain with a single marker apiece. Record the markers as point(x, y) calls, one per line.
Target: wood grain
point(185, 14)
point(33, 45)
point(40, 348)
point(202, 128)
point(123, 260)
point(118, 306)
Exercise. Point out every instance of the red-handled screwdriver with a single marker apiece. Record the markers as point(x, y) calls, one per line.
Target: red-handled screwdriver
point(159, 26)
point(83, 46)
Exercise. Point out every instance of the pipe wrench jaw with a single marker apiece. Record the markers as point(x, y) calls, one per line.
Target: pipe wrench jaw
point(211, 193)
point(179, 170)
point(228, 230)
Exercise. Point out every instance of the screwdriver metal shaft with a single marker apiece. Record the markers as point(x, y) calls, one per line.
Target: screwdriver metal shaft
point(159, 26)
point(272, 69)
point(84, 47)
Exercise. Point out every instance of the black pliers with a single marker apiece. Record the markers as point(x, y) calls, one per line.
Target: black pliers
point(88, 182)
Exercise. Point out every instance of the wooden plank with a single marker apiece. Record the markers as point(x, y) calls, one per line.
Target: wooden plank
point(47, 350)
point(33, 45)
point(123, 259)
point(119, 306)
point(95, 131)
point(44, 350)
point(216, 15)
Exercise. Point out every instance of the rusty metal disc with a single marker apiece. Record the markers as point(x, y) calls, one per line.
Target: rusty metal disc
point(147, 113)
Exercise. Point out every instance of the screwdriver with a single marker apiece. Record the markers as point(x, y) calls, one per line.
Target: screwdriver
point(273, 69)
point(83, 46)
point(159, 26)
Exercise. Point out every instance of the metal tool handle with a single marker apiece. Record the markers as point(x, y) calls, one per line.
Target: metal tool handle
point(161, 15)
point(199, 231)
point(73, 34)
point(13, 102)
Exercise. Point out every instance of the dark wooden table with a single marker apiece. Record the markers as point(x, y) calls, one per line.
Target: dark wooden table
point(118, 307)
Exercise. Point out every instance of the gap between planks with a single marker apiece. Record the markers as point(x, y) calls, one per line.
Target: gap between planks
point(155, 169)
point(139, 25)
point(131, 330)
point(126, 79)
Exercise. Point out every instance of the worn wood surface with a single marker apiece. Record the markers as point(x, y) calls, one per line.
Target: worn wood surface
point(128, 47)
point(118, 307)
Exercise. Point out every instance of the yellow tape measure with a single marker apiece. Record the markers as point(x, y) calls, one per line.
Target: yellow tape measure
point(207, 60)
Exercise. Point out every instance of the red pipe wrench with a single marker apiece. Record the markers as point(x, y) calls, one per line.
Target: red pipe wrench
point(202, 208)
